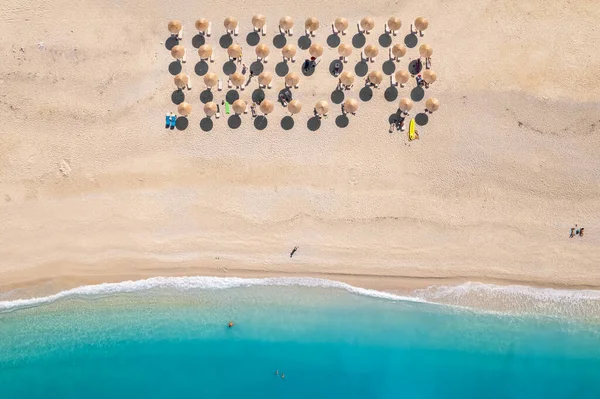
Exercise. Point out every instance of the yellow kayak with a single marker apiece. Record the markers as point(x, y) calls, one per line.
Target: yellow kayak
point(412, 134)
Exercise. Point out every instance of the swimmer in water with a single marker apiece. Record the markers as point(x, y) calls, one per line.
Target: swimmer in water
point(282, 375)
point(277, 372)
point(230, 324)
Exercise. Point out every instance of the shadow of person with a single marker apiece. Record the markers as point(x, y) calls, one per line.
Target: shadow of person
point(304, 42)
point(201, 68)
point(178, 97)
point(206, 124)
point(229, 67)
point(359, 40)
point(314, 124)
point(279, 41)
point(258, 96)
point(337, 96)
point(206, 96)
point(336, 63)
point(282, 69)
point(389, 67)
point(421, 119)
point(198, 40)
point(175, 67)
point(260, 122)
point(287, 122)
point(385, 40)
point(252, 38)
point(333, 40)
point(171, 42)
point(415, 67)
point(391, 94)
point(342, 121)
point(234, 121)
point(225, 41)
point(257, 67)
point(182, 123)
point(411, 40)
point(231, 96)
point(361, 68)
point(365, 94)
point(417, 94)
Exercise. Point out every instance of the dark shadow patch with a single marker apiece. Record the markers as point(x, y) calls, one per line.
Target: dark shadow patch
point(225, 41)
point(198, 40)
point(415, 67)
point(175, 67)
point(201, 68)
point(234, 121)
point(206, 124)
point(282, 69)
point(231, 96)
point(417, 94)
point(385, 40)
point(253, 38)
point(308, 67)
point(333, 40)
point(337, 96)
point(304, 42)
point(287, 122)
point(182, 123)
point(389, 67)
point(285, 93)
point(260, 122)
point(279, 41)
point(421, 119)
point(395, 118)
point(171, 42)
point(365, 94)
point(342, 121)
point(411, 40)
point(359, 40)
point(258, 96)
point(314, 124)
point(206, 96)
point(178, 97)
point(257, 67)
point(229, 67)
point(391, 94)
point(361, 68)
point(333, 65)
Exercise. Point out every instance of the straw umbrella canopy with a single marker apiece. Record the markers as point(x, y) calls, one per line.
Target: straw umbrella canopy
point(405, 104)
point(294, 107)
point(286, 23)
point(371, 50)
point(288, 51)
point(429, 76)
point(350, 105)
point(239, 106)
point(181, 80)
point(402, 76)
point(174, 26)
point(258, 21)
point(394, 23)
point(237, 79)
point(315, 50)
point(292, 79)
point(267, 106)
point(210, 108)
point(184, 109)
point(344, 50)
point(211, 79)
point(178, 52)
point(375, 77)
point(322, 107)
point(265, 78)
point(421, 23)
point(347, 78)
point(312, 24)
point(230, 23)
point(399, 50)
point(202, 25)
point(234, 51)
point(367, 23)
point(425, 51)
point(262, 50)
point(341, 24)
point(432, 104)
point(205, 51)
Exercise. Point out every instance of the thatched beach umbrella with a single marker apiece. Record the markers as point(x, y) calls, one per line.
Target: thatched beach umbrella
point(294, 107)
point(211, 79)
point(184, 109)
point(347, 78)
point(344, 50)
point(375, 77)
point(174, 26)
point(341, 24)
point(237, 79)
point(239, 106)
point(311, 24)
point(181, 80)
point(265, 78)
point(286, 23)
point(267, 106)
point(288, 51)
point(350, 105)
point(230, 24)
point(292, 79)
point(399, 50)
point(178, 52)
point(402, 76)
point(262, 50)
point(322, 107)
point(429, 76)
point(315, 50)
point(405, 104)
point(234, 51)
point(205, 51)
point(394, 23)
point(425, 51)
point(210, 108)
point(371, 50)
point(367, 23)
point(432, 104)
point(421, 23)
point(202, 25)
point(258, 21)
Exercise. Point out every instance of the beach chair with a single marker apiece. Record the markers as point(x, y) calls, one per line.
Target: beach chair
point(229, 83)
point(168, 121)
point(180, 34)
point(212, 57)
point(264, 30)
point(392, 80)
point(184, 58)
point(189, 85)
point(359, 28)
point(209, 29)
point(236, 31)
point(220, 85)
point(294, 59)
point(291, 32)
point(173, 121)
point(266, 59)
point(307, 32)
point(373, 59)
point(269, 86)
point(281, 31)
point(247, 108)
point(218, 115)
point(333, 30)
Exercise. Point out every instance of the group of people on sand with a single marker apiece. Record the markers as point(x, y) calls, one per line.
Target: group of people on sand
point(575, 231)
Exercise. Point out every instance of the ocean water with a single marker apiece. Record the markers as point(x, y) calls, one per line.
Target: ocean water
point(168, 338)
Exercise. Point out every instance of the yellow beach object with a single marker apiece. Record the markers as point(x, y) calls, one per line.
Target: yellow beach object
point(412, 134)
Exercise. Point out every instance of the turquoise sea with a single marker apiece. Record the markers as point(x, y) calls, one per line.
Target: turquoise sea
point(169, 339)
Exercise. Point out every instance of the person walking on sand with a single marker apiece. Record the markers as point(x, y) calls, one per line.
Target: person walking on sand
point(293, 251)
point(581, 232)
point(572, 232)
point(244, 69)
point(253, 109)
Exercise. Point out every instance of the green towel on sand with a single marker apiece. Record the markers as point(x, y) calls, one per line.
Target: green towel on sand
point(227, 108)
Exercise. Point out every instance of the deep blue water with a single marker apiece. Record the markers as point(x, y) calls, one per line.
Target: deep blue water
point(166, 343)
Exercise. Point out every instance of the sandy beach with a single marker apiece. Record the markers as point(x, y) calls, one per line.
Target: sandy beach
point(93, 188)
